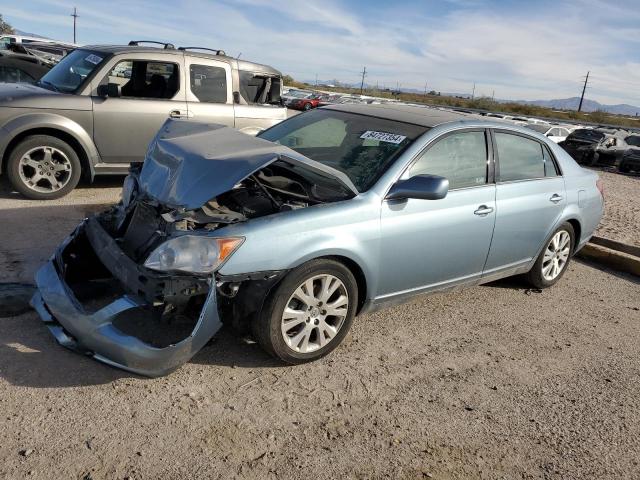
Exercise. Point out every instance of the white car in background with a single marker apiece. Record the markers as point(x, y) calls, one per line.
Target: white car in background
point(555, 133)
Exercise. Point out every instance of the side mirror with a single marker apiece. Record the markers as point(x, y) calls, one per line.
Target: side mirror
point(422, 187)
point(109, 90)
point(236, 97)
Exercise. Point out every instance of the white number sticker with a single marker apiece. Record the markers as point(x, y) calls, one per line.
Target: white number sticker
point(92, 58)
point(383, 136)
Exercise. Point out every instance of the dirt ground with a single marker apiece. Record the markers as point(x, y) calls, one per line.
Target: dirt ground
point(621, 219)
point(492, 382)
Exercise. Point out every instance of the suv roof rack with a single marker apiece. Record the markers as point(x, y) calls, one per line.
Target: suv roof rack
point(167, 46)
point(217, 52)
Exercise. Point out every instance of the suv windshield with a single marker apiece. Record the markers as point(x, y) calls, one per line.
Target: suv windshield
point(361, 146)
point(72, 70)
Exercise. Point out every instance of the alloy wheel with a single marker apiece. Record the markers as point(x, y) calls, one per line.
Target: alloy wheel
point(314, 313)
point(556, 255)
point(45, 169)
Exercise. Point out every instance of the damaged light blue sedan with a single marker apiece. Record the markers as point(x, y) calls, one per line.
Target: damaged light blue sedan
point(289, 235)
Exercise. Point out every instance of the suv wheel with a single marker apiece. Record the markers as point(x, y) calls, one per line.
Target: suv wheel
point(554, 259)
point(42, 167)
point(307, 106)
point(309, 313)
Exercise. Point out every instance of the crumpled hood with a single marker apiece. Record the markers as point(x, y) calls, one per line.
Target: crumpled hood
point(187, 163)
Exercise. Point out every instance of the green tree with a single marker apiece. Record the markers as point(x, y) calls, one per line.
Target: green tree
point(5, 27)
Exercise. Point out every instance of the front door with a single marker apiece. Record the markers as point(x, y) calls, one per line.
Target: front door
point(431, 244)
point(151, 92)
point(530, 196)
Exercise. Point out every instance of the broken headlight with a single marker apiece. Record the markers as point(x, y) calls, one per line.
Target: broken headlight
point(192, 253)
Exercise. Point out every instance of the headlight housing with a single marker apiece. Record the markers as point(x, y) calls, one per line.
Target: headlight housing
point(192, 254)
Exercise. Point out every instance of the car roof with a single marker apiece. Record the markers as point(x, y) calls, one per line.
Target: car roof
point(424, 116)
point(241, 64)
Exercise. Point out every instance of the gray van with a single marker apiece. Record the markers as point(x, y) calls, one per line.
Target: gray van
point(96, 111)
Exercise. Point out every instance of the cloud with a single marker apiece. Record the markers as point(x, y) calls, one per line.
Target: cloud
point(533, 50)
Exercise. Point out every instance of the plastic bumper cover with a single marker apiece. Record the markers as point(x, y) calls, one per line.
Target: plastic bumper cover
point(94, 333)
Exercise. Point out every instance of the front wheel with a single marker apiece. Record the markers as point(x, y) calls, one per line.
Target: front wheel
point(554, 258)
point(310, 312)
point(307, 106)
point(42, 167)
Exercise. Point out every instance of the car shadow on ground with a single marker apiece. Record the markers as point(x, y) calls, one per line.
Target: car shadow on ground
point(30, 357)
point(103, 181)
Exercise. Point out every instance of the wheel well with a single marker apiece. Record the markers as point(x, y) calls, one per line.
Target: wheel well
point(64, 136)
point(577, 230)
point(357, 272)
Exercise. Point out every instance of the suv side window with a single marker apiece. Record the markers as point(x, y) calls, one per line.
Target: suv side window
point(146, 79)
point(519, 158)
point(208, 83)
point(459, 157)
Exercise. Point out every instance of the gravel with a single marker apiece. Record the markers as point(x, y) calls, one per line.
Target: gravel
point(621, 220)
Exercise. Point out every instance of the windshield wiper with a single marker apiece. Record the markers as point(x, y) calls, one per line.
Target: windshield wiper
point(45, 82)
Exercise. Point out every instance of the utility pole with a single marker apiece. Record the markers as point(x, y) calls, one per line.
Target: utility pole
point(493, 95)
point(75, 16)
point(586, 79)
point(425, 89)
point(316, 80)
point(473, 93)
point(364, 72)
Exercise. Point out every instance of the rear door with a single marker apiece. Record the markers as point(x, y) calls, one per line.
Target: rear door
point(209, 93)
point(151, 92)
point(530, 197)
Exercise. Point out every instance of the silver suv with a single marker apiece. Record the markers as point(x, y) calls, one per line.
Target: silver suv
point(97, 110)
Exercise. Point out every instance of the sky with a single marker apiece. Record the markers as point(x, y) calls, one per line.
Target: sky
point(537, 49)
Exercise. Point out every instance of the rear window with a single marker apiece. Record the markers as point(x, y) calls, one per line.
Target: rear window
point(259, 88)
point(633, 140)
point(585, 134)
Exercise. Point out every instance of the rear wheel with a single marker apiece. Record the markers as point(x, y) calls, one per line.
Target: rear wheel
point(42, 167)
point(307, 106)
point(554, 258)
point(310, 312)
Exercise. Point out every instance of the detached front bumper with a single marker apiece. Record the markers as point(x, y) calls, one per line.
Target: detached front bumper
point(94, 333)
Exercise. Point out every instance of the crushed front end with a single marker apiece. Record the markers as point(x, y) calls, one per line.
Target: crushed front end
point(96, 297)
point(137, 286)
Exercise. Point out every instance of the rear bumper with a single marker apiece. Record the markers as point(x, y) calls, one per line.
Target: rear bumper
point(94, 333)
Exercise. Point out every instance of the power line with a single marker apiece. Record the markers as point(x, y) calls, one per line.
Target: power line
point(75, 16)
point(586, 79)
point(364, 72)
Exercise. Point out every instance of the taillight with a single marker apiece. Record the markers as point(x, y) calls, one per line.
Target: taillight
point(600, 187)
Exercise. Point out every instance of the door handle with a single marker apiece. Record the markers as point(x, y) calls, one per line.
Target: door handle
point(178, 114)
point(555, 198)
point(483, 211)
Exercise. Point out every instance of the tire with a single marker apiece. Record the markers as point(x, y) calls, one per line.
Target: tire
point(540, 276)
point(50, 160)
point(307, 106)
point(312, 327)
point(623, 168)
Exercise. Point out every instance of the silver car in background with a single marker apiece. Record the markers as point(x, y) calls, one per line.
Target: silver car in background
point(96, 111)
point(289, 235)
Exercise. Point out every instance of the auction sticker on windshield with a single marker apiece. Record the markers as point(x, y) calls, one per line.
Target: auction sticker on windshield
point(92, 58)
point(383, 136)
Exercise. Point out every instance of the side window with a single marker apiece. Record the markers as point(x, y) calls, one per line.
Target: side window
point(519, 158)
point(550, 168)
point(146, 79)
point(460, 157)
point(208, 84)
point(329, 132)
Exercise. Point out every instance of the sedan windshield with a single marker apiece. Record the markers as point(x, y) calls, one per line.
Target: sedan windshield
point(361, 146)
point(72, 71)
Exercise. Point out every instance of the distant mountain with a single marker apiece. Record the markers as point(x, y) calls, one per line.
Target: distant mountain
point(27, 34)
point(587, 106)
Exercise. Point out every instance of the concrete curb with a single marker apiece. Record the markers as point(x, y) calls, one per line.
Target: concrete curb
point(610, 257)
